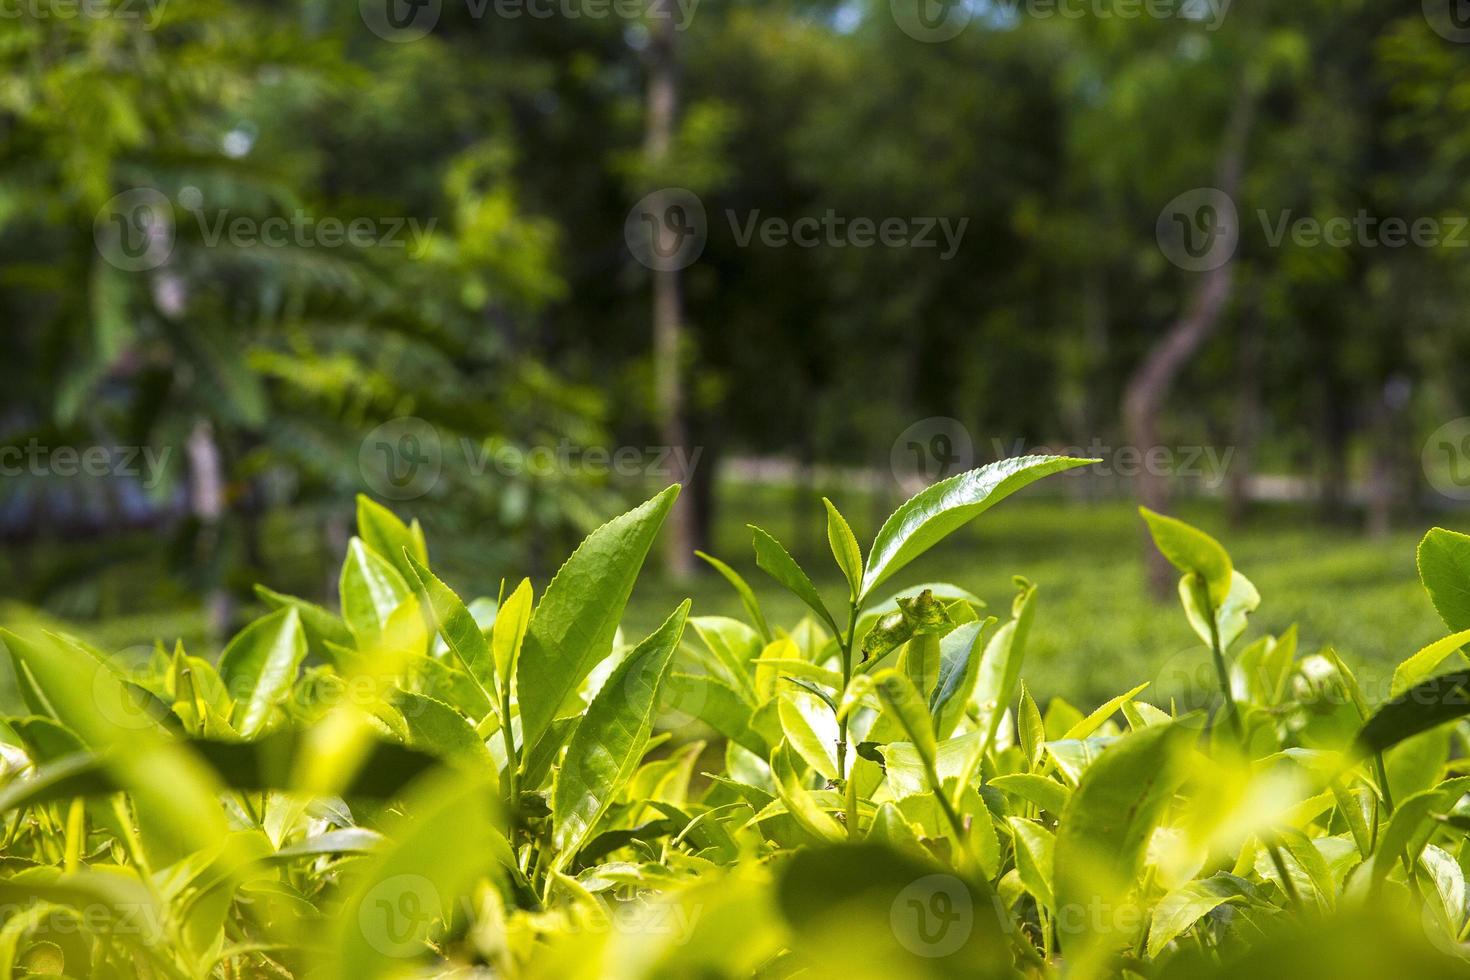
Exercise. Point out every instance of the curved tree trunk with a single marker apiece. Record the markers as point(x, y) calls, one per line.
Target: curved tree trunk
point(1247, 424)
point(1148, 389)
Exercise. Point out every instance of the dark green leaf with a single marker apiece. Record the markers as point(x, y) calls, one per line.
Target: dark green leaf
point(1426, 705)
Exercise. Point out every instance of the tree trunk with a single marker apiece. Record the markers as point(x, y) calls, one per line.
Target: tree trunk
point(701, 489)
point(207, 506)
point(1247, 419)
point(1332, 463)
point(1388, 492)
point(1148, 389)
point(668, 301)
point(1095, 341)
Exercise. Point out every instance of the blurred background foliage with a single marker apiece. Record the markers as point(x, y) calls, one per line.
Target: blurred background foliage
point(520, 319)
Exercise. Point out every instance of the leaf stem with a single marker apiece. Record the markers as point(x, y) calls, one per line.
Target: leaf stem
point(852, 808)
point(1223, 673)
point(1288, 884)
point(950, 812)
point(851, 789)
point(847, 641)
point(512, 762)
point(76, 834)
point(1217, 653)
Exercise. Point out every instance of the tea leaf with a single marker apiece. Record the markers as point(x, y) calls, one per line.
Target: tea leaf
point(1191, 550)
point(1426, 705)
point(774, 560)
point(609, 742)
point(742, 588)
point(1422, 664)
point(443, 843)
point(844, 548)
point(371, 589)
point(938, 511)
point(1101, 836)
point(1190, 902)
point(1034, 849)
point(508, 635)
point(1444, 568)
point(454, 622)
point(259, 666)
point(572, 627)
point(386, 534)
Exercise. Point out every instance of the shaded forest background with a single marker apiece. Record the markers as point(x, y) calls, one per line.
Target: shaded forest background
point(241, 389)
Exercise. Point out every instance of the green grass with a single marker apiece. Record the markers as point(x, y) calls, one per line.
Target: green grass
point(1097, 631)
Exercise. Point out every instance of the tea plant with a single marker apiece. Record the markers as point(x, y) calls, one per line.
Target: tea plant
point(419, 785)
